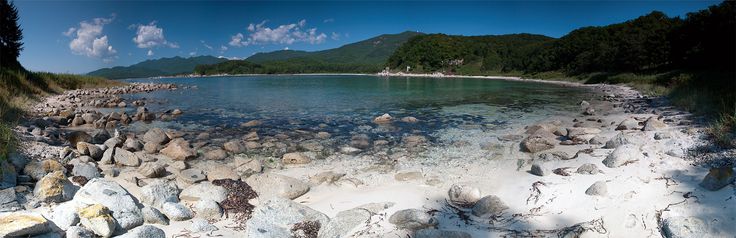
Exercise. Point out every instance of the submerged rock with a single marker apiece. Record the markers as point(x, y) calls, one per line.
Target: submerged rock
point(383, 119)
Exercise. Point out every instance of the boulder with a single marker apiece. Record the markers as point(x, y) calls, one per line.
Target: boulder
point(158, 192)
point(154, 216)
point(9, 200)
point(539, 170)
point(54, 187)
point(151, 147)
point(344, 223)
point(619, 140)
point(295, 158)
point(113, 142)
point(202, 225)
point(628, 124)
point(111, 195)
point(597, 189)
point(22, 224)
point(247, 166)
point(652, 124)
point(65, 215)
point(8, 175)
point(156, 136)
point(539, 141)
point(718, 178)
point(412, 219)
point(88, 170)
point(275, 218)
point(152, 170)
point(588, 169)
point(179, 149)
point(208, 209)
point(463, 195)
point(97, 218)
point(126, 158)
point(269, 185)
point(176, 211)
point(683, 227)
point(622, 155)
point(39, 169)
point(132, 144)
point(107, 157)
point(489, 206)
point(204, 190)
point(144, 231)
point(662, 135)
point(434, 233)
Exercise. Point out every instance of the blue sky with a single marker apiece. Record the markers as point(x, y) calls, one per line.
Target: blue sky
point(81, 36)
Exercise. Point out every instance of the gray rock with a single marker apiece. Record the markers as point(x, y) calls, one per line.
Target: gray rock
point(275, 217)
point(202, 225)
point(234, 146)
point(144, 231)
point(8, 175)
point(270, 185)
point(107, 156)
point(54, 187)
point(588, 169)
point(718, 178)
point(489, 205)
point(434, 233)
point(190, 176)
point(208, 209)
point(8, 200)
point(539, 169)
point(412, 219)
point(176, 211)
point(111, 195)
point(87, 170)
point(597, 189)
point(683, 227)
point(113, 142)
point(156, 136)
point(38, 169)
point(79, 232)
point(65, 215)
point(204, 190)
point(133, 145)
point(623, 155)
point(344, 222)
point(154, 216)
point(127, 158)
point(619, 140)
point(216, 154)
point(158, 192)
point(463, 195)
point(538, 142)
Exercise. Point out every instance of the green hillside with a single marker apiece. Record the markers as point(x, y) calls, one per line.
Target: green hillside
point(158, 67)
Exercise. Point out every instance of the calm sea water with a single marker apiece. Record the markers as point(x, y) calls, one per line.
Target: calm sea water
point(346, 104)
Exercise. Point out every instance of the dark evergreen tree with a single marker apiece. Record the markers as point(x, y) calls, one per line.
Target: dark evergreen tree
point(10, 35)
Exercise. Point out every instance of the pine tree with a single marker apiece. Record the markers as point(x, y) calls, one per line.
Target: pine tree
point(10, 35)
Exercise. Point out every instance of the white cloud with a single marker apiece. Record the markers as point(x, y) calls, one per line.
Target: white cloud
point(335, 36)
point(150, 53)
point(192, 53)
point(288, 34)
point(150, 36)
point(89, 41)
point(328, 20)
point(229, 58)
point(206, 45)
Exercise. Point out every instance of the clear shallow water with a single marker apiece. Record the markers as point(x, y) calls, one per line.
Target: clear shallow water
point(347, 104)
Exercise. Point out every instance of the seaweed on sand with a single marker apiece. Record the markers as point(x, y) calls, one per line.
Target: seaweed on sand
point(305, 229)
point(239, 193)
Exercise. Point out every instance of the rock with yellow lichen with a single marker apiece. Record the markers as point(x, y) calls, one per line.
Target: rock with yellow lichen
point(22, 224)
point(98, 219)
point(54, 187)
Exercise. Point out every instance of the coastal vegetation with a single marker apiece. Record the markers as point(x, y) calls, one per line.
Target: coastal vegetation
point(20, 87)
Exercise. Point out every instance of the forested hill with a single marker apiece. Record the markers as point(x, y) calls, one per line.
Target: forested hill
point(367, 56)
point(703, 39)
point(158, 67)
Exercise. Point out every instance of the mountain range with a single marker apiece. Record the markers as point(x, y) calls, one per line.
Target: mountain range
point(158, 67)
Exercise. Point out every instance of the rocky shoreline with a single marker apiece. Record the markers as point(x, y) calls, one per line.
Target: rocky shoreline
point(621, 166)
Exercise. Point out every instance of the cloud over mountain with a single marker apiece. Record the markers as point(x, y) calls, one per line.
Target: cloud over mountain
point(259, 34)
point(88, 40)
